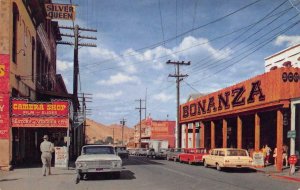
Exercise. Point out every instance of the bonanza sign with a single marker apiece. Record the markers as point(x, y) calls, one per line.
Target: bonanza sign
point(4, 96)
point(268, 89)
point(60, 11)
point(39, 114)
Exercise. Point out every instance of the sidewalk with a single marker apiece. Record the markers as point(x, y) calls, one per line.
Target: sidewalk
point(32, 178)
point(284, 174)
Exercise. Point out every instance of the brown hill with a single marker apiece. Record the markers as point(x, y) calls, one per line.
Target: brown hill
point(100, 133)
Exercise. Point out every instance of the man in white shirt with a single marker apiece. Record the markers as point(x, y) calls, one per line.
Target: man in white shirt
point(47, 148)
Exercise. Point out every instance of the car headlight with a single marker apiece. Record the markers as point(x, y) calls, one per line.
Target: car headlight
point(80, 164)
point(117, 164)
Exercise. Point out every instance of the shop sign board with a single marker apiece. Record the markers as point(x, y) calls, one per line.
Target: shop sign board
point(253, 93)
point(291, 134)
point(22, 107)
point(61, 157)
point(258, 159)
point(33, 122)
point(4, 96)
point(60, 11)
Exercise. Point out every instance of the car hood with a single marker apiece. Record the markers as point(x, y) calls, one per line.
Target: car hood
point(96, 157)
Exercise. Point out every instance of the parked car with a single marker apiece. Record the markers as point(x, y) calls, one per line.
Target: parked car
point(173, 154)
point(227, 158)
point(122, 151)
point(192, 155)
point(98, 159)
point(162, 154)
point(141, 152)
point(151, 153)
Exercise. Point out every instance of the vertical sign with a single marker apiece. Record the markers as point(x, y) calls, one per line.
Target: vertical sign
point(4, 96)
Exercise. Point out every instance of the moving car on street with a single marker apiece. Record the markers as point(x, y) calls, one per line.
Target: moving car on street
point(122, 151)
point(161, 154)
point(227, 158)
point(141, 152)
point(98, 159)
point(192, 155)
point(173, 154)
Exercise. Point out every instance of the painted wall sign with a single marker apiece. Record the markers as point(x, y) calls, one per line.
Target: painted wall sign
point(33, 122)
point(39, 109)
point(272, 87)
point(60, 11)
point(61, 157)
point(4, 96)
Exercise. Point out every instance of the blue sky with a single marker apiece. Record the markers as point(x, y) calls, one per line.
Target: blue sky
point(137, 37)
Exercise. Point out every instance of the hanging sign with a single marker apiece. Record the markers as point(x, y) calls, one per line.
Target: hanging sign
point(60, 11)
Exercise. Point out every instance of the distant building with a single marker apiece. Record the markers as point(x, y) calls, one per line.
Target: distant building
point(289, 57)
point(155, 130)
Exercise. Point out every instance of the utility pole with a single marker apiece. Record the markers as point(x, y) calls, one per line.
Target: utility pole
point(140, 110)
point(179, 77)
point(146, 104)
point(76, 44)
point(122, 122)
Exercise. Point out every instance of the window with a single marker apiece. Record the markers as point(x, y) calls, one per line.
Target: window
point(236, 153)
point(32, 58)
point(15, 32)
point(221, 153)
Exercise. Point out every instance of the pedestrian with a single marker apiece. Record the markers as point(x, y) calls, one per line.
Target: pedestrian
point(275, 156)
point(47, 148)
point(268, 152)
point(285, 154)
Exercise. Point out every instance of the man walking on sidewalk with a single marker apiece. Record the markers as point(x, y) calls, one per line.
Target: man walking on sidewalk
point(47, 148)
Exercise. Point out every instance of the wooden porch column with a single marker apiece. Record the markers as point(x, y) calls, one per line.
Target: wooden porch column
point(224, 133)
point(187, 136)
point(194, 135)
point(257, 132)
point(202, 135)
point(279, 139)
point(212, 134)
point(239, 132)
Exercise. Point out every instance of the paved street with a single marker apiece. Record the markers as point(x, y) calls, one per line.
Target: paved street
point(143, 174)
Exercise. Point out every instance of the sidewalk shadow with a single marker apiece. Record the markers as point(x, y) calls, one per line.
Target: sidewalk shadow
point(14, 179)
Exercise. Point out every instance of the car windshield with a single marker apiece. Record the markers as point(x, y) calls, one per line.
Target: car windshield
point(177, 150)
point(120, 149)
point(98, 150)
point(236, 153)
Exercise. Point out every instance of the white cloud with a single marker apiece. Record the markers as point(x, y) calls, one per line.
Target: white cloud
point(163, 97)
point(108, 96)
point(64, 65)
point(119, 78)
point(287, 40)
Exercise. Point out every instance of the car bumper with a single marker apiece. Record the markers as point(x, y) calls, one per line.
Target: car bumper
point(98, 170)
point(237, 165)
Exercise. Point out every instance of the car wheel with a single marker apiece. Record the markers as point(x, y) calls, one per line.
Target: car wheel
point(205, 164)
point(218, 167)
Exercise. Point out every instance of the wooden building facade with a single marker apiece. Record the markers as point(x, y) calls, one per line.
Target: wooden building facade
point(247, 115)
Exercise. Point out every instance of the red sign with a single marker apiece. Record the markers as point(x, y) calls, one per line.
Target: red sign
point(4, 96)
point(33, 122)
point(293, 159)
point(40, 109)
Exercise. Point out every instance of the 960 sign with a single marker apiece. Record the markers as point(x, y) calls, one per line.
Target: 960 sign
point(290, 77)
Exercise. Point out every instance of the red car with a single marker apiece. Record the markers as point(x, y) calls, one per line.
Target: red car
point(192, 155)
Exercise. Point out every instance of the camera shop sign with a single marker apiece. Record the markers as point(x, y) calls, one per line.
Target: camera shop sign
point(60, 11)
point(225, 100)
point(39, 114)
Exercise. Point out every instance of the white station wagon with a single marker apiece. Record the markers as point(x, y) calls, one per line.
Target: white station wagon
point(98, 159)
point(227, 158)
